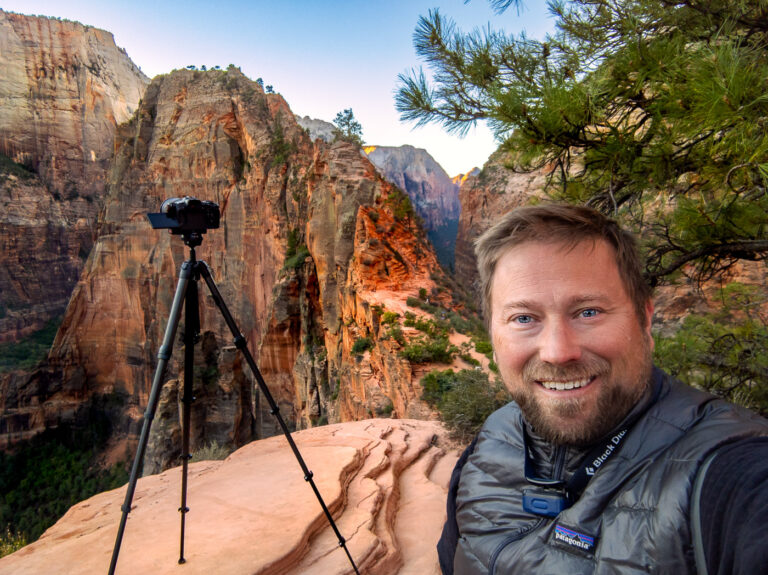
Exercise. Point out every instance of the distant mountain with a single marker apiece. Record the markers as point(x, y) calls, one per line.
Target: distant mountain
point(317, 128)
point(435, 196)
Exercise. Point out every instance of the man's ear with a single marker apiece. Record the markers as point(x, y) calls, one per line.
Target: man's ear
point(649, 321)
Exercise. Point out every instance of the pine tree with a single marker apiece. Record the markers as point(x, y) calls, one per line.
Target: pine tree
point(348, 128)
point(655, 111)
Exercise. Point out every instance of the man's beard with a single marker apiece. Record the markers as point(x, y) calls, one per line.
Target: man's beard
point(558, 421)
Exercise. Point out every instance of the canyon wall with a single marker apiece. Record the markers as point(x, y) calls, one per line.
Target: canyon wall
point(64, 89)
point(311, 250)
point(485, 195)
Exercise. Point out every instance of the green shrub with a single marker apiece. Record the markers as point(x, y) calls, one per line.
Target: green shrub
point(396, 333)
point(296, 260)
point(211, 452)
point(435, 384)
point(423, 294)
point(723, 352)
point(484, 347)
point(417, 303)
point(468, 402)
point(8, 166)
point(362, 345)
point(386, 409)
point(428, 350)
point(400, 204)
point(280, 148)
point(389, 317)
point(11, 542)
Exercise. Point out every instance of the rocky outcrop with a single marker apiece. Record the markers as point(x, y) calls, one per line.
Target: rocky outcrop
point(433, 193)
point(43, 245)
point(484, 196)
point(384, 481)
point(314, 243)
point(63, 90)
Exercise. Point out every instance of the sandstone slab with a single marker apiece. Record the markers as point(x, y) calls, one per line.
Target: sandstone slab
point(384, 480)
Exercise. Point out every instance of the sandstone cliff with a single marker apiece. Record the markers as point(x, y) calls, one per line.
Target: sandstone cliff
point(313, 246)
point(63, 90)
point(384, 481)
point(484, 196)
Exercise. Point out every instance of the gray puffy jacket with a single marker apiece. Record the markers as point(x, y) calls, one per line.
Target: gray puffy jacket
point(632, 517)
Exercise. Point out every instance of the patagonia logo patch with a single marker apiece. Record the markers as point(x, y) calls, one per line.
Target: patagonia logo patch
point(574, 540)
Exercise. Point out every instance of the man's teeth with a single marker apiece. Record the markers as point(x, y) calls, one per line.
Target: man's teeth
point(563, 385)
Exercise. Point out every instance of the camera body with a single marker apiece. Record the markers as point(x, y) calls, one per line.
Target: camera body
point(186, 215)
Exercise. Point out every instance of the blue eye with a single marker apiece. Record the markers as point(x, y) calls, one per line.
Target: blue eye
point(523, 319)
point(589, 313)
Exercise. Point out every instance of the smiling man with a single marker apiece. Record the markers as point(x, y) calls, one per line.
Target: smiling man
point(602, 463)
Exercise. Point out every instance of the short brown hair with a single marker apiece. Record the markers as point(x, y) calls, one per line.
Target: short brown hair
point(560, 223)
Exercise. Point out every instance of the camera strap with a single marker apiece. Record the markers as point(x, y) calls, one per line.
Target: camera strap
point(551, 496)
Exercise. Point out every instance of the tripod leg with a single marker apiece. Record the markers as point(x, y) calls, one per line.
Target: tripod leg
point(157, 383)
point(191, 336)
point(240, 343)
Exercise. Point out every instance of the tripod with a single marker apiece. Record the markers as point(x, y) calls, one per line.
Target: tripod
point(187, 291)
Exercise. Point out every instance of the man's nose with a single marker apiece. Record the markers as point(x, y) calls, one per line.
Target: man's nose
point(559, 344)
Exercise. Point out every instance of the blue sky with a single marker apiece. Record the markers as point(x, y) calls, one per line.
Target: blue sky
point(323, 56)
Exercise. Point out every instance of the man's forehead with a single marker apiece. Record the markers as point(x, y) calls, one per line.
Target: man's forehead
point(588, 268)
point(561, 245)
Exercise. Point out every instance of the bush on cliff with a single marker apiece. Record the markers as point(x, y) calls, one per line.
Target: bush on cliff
point(429, 350)
point(723, 352)
point(464, 399)
point(11, 542)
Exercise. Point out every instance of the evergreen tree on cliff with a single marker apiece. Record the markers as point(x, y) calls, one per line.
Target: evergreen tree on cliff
point(348, 128)
point(653, 110)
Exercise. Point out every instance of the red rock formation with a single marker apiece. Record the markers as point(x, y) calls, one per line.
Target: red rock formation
point(298, 260)
point(384, 481)
point(64, 88)
point(484, 196)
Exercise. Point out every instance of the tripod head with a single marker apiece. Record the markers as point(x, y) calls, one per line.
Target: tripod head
point(187, 217)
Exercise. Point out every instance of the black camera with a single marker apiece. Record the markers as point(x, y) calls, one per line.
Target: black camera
point(186, 215)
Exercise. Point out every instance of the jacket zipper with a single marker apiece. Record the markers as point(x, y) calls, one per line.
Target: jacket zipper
point(557, 472)
point(512, 539)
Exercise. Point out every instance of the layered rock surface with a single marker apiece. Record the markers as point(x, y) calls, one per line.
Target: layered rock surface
point(63, 90)
point(384, 481)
